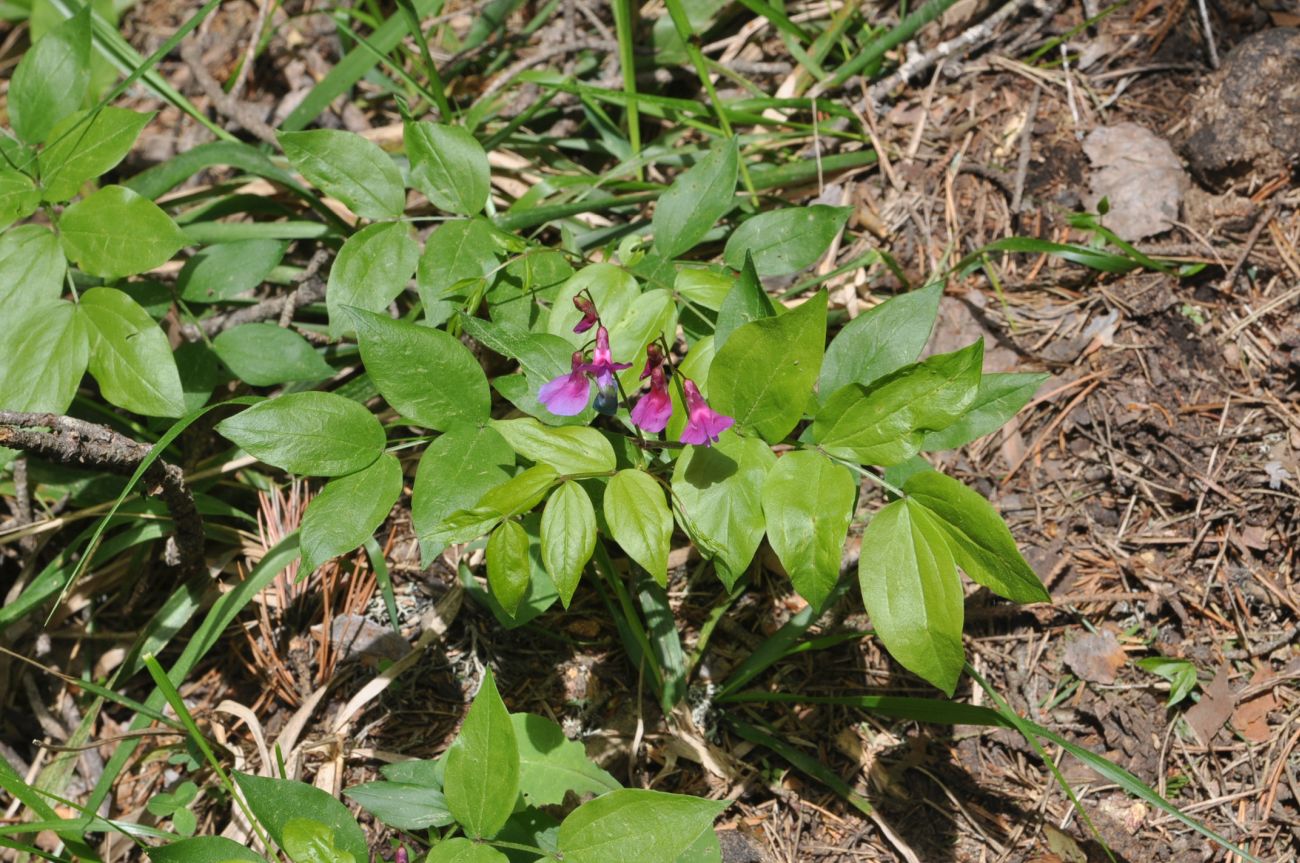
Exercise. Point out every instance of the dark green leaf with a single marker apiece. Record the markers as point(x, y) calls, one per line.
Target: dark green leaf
point(454, 472)
point(348, 511)
point(276, 802)
point(19, 196)
point(51, 80)
point(115, 233)
point(570, 450)
point(551, 765)
point(639, 520)
point(264, 355)
point(226, 270)
point(481, 781)
point(350, 168)
point(462, 850)
point(43, 356)
point(515, 496)
point(32, 267)
point(314, 434)
point(130, 356)
point(541, 593)
point(372, 268)
point(509, 571)
point(977, 536)
point(568, 537)
point(403, 805)
point(787, 240)
point(999, 398)
point(455, 252)
point(747, 301)
point(880, 340)
point(427, 375)
point(449, 166)
point(81, 149)
point(633, 825)
point(203, 849)
point(696, 200)
point(807, 506)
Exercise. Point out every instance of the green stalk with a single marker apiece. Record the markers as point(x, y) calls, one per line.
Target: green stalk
point(431, 68)
point(625, 23)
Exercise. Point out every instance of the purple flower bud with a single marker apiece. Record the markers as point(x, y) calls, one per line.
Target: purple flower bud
point(589, 315)
point(703, 424)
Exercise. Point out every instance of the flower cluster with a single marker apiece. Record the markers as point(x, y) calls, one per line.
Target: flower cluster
point(567, 395)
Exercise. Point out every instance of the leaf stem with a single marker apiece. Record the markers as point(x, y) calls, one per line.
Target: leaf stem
point(859, 469)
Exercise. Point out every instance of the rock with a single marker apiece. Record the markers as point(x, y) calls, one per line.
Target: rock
point(1140, 175)
point(1247, 120)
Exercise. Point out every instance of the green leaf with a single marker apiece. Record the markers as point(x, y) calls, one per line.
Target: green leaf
point(349, 510)
point(704, 287)
point(551, 765)
point(541, 593)
point(513, 497)
point(403, 805)
point(277, 802)
point(455, 252)
point(306, 840)
point(203, 849)
point(745, 302)
point(785, 241)
point(481, 781)
point(115, 233)
point(509, 571)
point(225, 270)
point(371, 269)
point(32, 267)
point(462, 850)
point(719, 491)
point(427, 375)
point(346, 166)
point(807, 506)
point(264, 355)
point(1000, 397)
point(910, 588)
point(449, 166)
point(568, 537)
point(130, 356)
point(977, 536)
point(82, 149)
point(639, 520)
point(570, 450)
point(633, 825)
point(19, 196)
point(51, 80)
point(313, 434)
point(764, 375)
point(696, 200)
point(611, 288)
point(457, 469)
point(885, 425)
point(43, 356)
point(1180, 673)
point(880, 340)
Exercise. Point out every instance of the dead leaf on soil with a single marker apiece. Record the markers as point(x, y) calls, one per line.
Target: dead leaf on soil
point(1138, 172)
point(1207, 716)
point(1095, 657)
point(1251, 715)
point(1063, 846)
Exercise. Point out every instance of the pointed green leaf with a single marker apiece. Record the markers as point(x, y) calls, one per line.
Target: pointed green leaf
point(633, 825)
point(456, 253)
point(449, 166)
point(1000, 397)
point(371, 269)
point(462, 850)
point(807, 506)
point(263, 354)
point(43, 356)
point(51, 80)
point(911, 590)
point(764, 375)
point(568, 537)
point(746, 301)
point(32, 267)
point(223, 271)
point(306, 840)
point(880, 340)
point(203, 849)
point(312, 433)
point(787, 240)
point(551, 765)
point(978, 538)
point(19, 196)
point(457, 469)
point(509, 570)
point(115, 233)
point(515, 496)
point(640, 521)
point(569, 449)
point(696, 200)
point(350, 168)
point(130, 356)
point(427, 375)
point(348, 511)
point(83, 147)
point(404, 805)
point(277, 802)
point(481, 780)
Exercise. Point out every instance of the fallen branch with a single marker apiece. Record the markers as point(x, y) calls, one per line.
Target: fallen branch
point(75, 442)
point(310, 289)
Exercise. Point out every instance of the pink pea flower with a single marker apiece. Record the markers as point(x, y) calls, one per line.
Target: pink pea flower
point(703, 424)
point(567, 395)
point(589, 316)
point(601, 365)
point(652, 410)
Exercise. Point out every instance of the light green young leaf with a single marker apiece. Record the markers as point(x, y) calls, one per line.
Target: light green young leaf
point(640, 521)
point(115, 233)
point(509, 570)
point(277, 802)
point(348, 511)
point(807, 506)
point(263, 354)
point(457, 469)
point(449, 166)
point(82, 148)
point(611, 288)
point(481, 780)
point(785, 241)
point(568, 537)
point(911, 590)
point(371, 269)
point(19, 196)
point(51, 80)
point(311, 433)
point(223, 271)
point(746, 301)
point(885, 424)
point(764, 375)
point(427, 375)
point(881, 340)
point(462, 850)
point(1000, 397)
point(569, 449)
point(306, 840)
point(633, 825)
point(130, 356)
point(551, 765)
point(32, 267)
point(719, 492)
point(978, 538)
point(696, 200)
point(455, 253)
point(346, 166)
point(43, 356)
point(515, 496)
point(704, 287)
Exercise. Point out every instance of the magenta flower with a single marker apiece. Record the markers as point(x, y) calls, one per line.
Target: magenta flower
point(703, 424)
point(652, 410)
point(601, 364)
point(589, 316)
point(567, 395)
point(654, 358)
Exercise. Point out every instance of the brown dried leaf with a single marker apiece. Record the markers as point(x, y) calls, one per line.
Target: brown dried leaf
point(1138, 172)
point(1251, 715)
point(1095, 657)
point(1207, 716)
